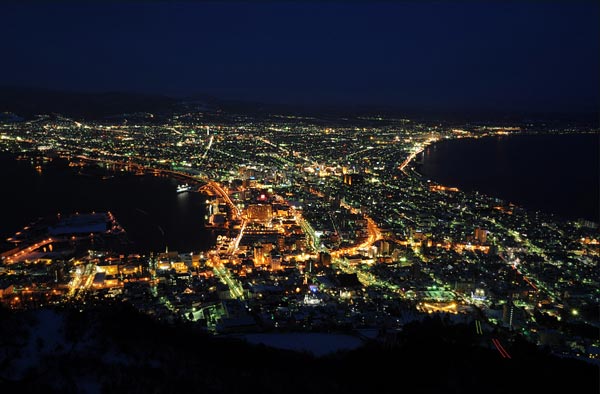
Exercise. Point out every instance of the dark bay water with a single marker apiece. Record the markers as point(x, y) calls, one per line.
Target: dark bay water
point(555, 173)
point(148, 207)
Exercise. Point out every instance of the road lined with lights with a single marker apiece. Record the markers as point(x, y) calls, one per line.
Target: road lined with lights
point(82, 280)
point(478, 329)
point(21, 253)
point(415, 151)
point(500, 348)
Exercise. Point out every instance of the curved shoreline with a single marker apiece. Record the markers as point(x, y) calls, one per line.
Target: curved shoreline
point(142, 216)
point(509, 192)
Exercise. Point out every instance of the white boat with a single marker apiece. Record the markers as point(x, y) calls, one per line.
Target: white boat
point(183, 188)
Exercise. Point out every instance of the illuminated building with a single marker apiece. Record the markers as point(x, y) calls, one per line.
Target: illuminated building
point(260, 212)
point(262, 254)
point(508, 311)
point(385, 248)
point(480, 235)
point(325, 259)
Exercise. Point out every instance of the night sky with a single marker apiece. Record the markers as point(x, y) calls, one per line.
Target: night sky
point(503, 55)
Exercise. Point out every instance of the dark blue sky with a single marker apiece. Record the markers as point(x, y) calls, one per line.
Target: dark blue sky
point(437, 55)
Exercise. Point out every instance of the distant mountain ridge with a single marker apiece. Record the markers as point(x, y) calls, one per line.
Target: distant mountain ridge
point(27, 102)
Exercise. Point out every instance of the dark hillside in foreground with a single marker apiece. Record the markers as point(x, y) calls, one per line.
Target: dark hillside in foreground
point(116, 349)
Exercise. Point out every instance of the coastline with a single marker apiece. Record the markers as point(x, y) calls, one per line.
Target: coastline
point(427, 165)
point(164, 217)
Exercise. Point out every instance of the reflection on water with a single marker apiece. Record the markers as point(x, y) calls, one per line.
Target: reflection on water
point(148, 207)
